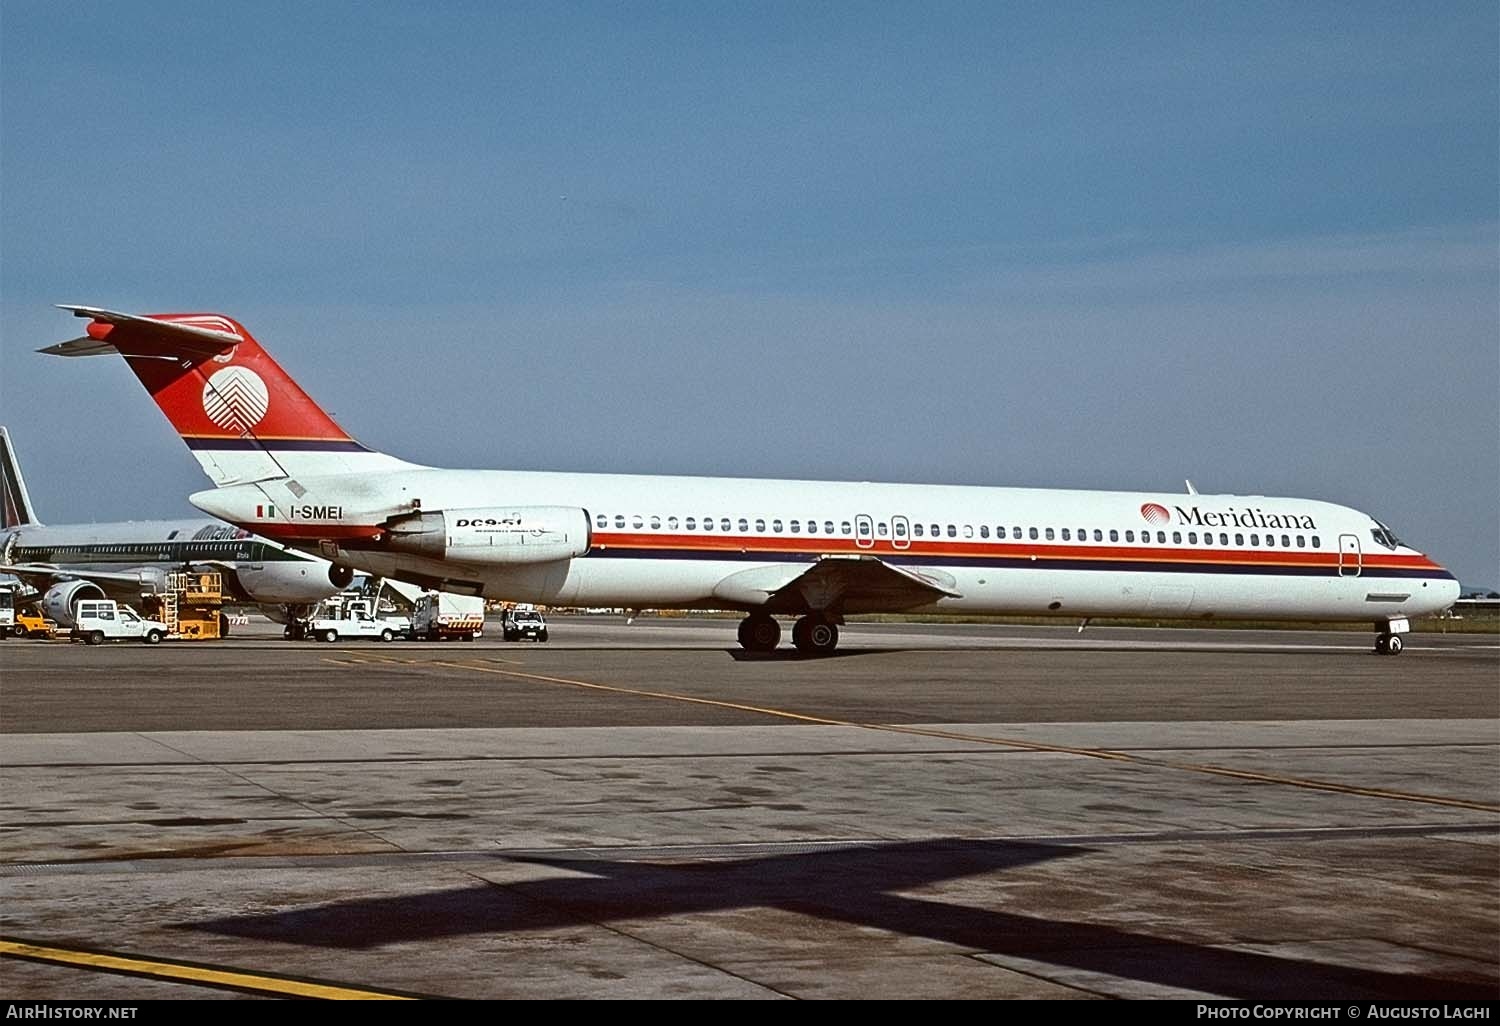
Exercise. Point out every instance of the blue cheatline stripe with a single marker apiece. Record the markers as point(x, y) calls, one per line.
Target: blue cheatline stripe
point(276, 444)
point(1027, 563)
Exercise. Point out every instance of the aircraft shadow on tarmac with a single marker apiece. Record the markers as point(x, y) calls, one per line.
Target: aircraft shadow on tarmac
point(851, 885)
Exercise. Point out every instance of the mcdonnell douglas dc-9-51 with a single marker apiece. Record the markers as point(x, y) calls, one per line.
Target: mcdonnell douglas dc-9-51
point(813, 551)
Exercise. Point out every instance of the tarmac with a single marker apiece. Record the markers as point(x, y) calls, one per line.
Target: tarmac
point(937, 811)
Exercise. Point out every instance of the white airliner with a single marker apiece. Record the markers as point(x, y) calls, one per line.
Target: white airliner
point(817, 551)
point(67, 563)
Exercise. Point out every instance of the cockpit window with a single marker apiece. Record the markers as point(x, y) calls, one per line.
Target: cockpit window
point(1384, 535)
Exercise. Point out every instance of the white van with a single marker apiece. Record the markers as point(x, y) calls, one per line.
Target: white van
point(98, 620)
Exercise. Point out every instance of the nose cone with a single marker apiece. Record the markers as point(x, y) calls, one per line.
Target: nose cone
point(1446, 594)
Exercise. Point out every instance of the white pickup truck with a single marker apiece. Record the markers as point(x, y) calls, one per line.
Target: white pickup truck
point(96, 621)
point(354, 619)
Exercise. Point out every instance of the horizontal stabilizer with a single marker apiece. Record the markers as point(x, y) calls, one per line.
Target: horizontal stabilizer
point(190, 335)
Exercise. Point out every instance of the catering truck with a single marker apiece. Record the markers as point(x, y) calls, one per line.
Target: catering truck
point(440, 615)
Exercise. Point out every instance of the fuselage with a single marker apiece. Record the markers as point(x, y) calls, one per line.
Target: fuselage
point(705, 542)
point(259, 571)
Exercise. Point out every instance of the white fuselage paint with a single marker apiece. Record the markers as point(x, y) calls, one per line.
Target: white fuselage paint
point(644, 555)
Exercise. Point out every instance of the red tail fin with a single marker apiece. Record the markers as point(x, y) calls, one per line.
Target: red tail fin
point(241, 414)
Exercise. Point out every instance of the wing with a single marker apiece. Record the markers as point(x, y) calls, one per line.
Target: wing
point(40, 577)
point(843, 584)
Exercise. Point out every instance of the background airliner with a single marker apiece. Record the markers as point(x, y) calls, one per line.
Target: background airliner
point(816, 551)
point(67, 563)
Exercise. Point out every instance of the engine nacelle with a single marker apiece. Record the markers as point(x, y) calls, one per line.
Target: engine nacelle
point(492, 536)
point(62, 599)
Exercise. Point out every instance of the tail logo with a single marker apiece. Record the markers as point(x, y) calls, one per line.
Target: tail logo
point(1155, 514)
point(236, 398)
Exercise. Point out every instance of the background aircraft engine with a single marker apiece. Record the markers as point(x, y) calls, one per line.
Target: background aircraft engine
point(291, 582)
point(61, 599)
point(495, 535)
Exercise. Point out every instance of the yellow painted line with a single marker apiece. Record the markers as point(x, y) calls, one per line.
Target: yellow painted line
point(1030, 746)
point(186, 973)
point(664, 695)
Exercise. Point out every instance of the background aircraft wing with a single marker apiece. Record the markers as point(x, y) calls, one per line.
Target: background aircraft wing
point(41, 577)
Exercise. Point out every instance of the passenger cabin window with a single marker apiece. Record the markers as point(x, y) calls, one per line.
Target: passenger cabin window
point(744, 526)
point(880, 530)
point(844, 528)
point(828, 527)
point(1048, 533)
point(671, 523)
point(1192, 537)
point(656, 523)
point(916, 530)
point(796, 527)
point(1301, 541)
point(812, 527)
point(1239, 539)
point(984, 530)
point(760, 527)
point(1316, 543)
point(619, 520)
point(1114, 536)
point(1176, 537)
point(1130, 536)
point(776, 526)
point(900, 530)
point(601, 521)
point(1098, 534)
point(636, 521)
point(1065, 535)
point(1286, 542)
point(1255, 539)
point(691, 524)
point(1033, 533)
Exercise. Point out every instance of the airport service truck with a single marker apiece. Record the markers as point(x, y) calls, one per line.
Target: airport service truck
point(353, 619)
point(96, 621)
point(440, 615)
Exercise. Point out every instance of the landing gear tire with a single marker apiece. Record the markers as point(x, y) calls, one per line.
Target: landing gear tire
point(813, 635)
point(759, 633)
point(1389, 644)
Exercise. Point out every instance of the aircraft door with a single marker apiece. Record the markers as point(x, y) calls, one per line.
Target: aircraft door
point(1349, 556)
point(900, 533)
point(864, 531)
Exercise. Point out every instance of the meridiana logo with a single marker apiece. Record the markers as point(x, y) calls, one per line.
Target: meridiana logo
point(235, 398)
point(1155, 514)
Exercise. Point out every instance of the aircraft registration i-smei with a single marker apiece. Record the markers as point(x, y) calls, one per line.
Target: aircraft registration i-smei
point(816, 551)
point(63, 564)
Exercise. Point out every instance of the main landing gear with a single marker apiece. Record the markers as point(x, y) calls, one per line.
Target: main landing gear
point(812, 634)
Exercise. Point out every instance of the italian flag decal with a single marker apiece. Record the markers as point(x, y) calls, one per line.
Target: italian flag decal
point(265, 511)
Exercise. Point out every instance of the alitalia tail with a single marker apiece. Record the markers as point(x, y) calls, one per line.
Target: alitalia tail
point(810, 550)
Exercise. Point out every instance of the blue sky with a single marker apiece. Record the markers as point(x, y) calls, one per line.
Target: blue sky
point(1073, 245)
